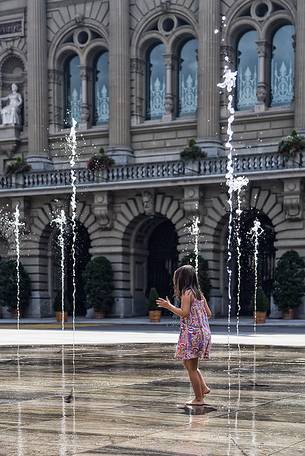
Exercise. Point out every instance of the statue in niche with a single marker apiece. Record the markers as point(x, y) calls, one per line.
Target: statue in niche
point(11, 112)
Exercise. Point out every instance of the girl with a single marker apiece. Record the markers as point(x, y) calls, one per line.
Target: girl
point(195, 335)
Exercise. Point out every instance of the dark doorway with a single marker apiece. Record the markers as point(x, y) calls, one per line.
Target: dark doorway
point(162, 258)
point(82, 257)
point(266, 258)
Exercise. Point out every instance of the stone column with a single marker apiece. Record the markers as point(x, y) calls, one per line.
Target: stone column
point(38, 153)
point(263, 51)
point(300, 68)
point(119, 72)
point(208, 130)
point(85, 113)
point(168, 115)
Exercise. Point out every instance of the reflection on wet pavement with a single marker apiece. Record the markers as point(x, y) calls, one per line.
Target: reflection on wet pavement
point(129, 400)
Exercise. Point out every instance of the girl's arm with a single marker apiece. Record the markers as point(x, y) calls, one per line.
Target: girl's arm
point(207, 309)
point(184, 311)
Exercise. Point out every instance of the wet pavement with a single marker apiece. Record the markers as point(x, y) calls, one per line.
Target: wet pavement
point(128, 400)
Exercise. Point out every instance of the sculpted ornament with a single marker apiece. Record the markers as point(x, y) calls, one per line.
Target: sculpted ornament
point(10, 114)
point(148, 198)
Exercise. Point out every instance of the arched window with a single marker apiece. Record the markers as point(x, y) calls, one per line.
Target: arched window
point(101, 89)
point(247, 66)
point(72, 90)
point(155, 82)
point(282, 66)
point(188, 78)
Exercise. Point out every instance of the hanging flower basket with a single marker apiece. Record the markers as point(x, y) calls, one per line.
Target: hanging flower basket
point(192, 152)
point(18, 166)
point(100, 161)
point(291, 145)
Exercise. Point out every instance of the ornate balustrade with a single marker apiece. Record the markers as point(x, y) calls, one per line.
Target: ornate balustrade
point(173, 171)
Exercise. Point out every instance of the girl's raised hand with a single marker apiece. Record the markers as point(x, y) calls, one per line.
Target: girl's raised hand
point(165, 303)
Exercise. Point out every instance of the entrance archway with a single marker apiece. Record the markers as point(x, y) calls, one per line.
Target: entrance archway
point(82, 256)
point(162, 258)
point(153, 259)
point(266, 260)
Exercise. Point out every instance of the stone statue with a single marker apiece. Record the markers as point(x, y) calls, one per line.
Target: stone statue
point(11, 112)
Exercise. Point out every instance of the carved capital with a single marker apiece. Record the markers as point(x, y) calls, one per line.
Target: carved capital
point(137, 66)
point(84, 72)
point(148, 197)
point(101, 210)
point(292, 201)
point(263, 48)
point(261, 92)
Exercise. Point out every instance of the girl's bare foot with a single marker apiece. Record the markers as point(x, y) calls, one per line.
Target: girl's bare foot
point(195, 402)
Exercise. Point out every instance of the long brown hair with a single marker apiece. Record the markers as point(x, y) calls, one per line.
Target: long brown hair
point(185, 278)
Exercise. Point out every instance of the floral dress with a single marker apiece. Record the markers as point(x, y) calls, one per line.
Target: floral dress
point(195, 335)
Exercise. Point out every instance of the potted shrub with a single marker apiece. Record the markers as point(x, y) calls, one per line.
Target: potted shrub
point(154, 312)
point(19, 165)
point(98, 286)
point(58, 306)
point(203, 272)
point(192, 152)
point(289, 285)
point(100, 161)
point(8, 287)
point(261, 306)
point(291, 145)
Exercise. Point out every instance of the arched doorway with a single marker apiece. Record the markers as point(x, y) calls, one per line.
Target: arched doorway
point(265, 264)
point(82, 256)
point(162, 258)
point(153, 259)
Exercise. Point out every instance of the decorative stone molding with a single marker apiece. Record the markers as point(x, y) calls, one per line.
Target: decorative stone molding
point(165, 5)
point(9, 139)
point(148, 197)
point(101, 210)
point(292, 201)
point(191, 200)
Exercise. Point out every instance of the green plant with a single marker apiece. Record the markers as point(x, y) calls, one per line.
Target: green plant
point(289, 285)
point(57, 305)
point(98, 284)
point(261, 300)
point(192, 152)
point(292, 144)
point(19, 165)
point(8, 286)
point(203, 272)
point(152, 297)
point(100, 161)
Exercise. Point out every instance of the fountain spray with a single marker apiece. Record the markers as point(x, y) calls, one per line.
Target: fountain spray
point(72, 144)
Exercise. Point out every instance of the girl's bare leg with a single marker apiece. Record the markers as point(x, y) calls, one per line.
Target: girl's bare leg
point(192, 367)
point(204, 386)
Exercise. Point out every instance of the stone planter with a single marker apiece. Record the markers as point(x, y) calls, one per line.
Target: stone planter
point(154, 315)
point(260, 317)
point(289, 314)
point(58, 316)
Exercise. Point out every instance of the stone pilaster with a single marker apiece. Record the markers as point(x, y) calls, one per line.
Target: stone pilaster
point(300, 67)
point(119, 69)
point(38, 153)
point(208, 76)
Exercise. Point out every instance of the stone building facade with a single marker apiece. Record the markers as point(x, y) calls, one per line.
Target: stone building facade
point(140, 78)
